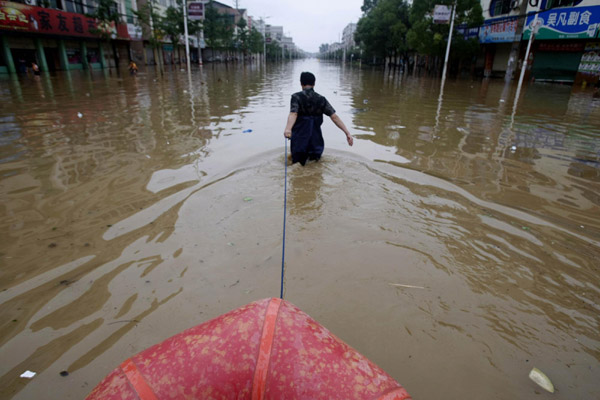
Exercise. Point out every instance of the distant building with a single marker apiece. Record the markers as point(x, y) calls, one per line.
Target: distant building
point(274, 33)
point(288, 44)
point(348, 36)
point(257, 23)
point(335, 46)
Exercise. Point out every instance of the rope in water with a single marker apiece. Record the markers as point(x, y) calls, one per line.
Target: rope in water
point(285, 161)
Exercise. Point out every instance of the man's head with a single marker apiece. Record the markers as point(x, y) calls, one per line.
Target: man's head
point(307, 79)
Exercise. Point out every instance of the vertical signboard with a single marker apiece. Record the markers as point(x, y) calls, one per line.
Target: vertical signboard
point(196, 11)
point(441, 14)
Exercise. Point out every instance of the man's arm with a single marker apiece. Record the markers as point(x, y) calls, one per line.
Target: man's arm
point(290, 124)
point(340, 124)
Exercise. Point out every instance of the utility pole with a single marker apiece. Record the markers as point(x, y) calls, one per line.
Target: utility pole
point(449, 41)
point(187, 39)
point(516, 45)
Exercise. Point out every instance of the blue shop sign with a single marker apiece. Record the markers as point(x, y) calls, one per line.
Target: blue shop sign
point(566, 23)
point(499, 30)
point(466, 32)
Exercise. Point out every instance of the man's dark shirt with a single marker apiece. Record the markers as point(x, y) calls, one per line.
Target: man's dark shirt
point(307, 138)
point(308, 102)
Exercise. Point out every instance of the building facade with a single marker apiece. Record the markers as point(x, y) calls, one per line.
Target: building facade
point(348, 36)
point(566, 47)
point(58, 35)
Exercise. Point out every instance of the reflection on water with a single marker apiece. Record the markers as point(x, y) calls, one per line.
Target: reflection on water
point(136, 207)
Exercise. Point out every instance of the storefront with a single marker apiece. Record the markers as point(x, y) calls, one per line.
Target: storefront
point(559, 46)
point(497, 35)
point(53, 39)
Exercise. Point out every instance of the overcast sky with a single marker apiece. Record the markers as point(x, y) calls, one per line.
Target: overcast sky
point(309, 22)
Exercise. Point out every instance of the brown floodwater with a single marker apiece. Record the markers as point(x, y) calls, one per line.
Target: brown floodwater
point(456, 244)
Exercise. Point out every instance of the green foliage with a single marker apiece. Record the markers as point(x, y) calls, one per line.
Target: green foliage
point(382, 30)
point(273, 50)
point(368, 5)
point(428, 38)
point(392, 27)
point(242, 36)
point(255, 41)
point(151, 23)
point(172, 24)
point(218, 31)
point(106, 14)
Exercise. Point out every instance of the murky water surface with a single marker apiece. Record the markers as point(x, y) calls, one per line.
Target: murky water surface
point(135, 207)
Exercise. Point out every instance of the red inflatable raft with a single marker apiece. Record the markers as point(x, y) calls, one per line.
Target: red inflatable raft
point(268, 349)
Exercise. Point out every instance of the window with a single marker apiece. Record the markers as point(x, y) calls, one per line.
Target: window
point(500, 7)
point(548, 4)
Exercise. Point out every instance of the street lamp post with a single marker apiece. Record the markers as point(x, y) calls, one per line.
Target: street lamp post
point(264, 32)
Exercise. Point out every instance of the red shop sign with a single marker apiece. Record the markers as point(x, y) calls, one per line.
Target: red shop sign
point(23, 18)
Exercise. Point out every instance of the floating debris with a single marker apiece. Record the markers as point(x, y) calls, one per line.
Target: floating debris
point(28, 374)
point(80, 115)
point(247, 131)
point(247, 198)
point(406, 286)
point(64, 373)
point(541, 379)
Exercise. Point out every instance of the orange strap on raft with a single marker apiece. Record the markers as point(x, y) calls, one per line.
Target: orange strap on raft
point(141, 387)
point(395, 394)
point(264, 352)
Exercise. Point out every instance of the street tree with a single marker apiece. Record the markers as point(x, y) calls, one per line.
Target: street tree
point(218, 31)
point(172, 24)
point(381, 31)
point(428, 38)
point(255, 41)
point(242, 36)
point(107, 17)
point(152, 27)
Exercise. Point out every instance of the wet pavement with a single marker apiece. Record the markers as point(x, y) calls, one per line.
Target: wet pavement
point(456, 244)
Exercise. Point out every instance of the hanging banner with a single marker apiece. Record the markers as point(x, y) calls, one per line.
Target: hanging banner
point(566, 23)
point(499, 30)
point(441, 14)
point(23, 18)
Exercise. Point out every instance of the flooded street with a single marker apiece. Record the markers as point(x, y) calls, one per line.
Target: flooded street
point(456, 244)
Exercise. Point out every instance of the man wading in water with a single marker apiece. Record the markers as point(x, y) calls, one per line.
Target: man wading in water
point(305, 119)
